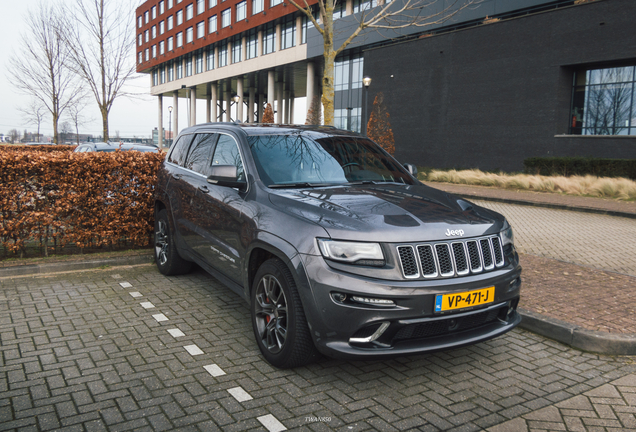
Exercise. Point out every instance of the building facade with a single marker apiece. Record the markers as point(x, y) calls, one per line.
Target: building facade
point(499, 82)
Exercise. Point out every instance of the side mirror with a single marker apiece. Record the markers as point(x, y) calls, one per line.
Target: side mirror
point(412, 169)
point(225, 175)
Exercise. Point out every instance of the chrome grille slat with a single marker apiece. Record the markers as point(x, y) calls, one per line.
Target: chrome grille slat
point(451, 258)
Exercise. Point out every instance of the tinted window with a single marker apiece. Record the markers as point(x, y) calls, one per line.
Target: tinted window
point(227, 153)
point(180, 150)
point(200, 153)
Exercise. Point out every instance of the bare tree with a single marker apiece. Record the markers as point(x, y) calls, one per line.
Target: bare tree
point(34, 114)
point(65, 131)
point(41, 69)
point(101, 39)
point(14, 136)
point(77, 118)
point(396, 15)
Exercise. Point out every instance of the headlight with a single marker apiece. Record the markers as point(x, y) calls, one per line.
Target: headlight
point(507, 238)
point(359, 253)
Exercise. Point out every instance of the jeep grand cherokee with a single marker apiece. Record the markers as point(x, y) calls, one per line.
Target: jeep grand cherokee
point(337, 248)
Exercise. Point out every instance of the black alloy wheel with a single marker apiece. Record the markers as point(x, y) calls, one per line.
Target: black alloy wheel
point(168, 260)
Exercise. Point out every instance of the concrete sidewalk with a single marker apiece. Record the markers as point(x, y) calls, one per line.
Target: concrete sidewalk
point(553, 305)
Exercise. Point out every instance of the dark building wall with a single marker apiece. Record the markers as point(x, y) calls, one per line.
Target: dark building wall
point(493, 95)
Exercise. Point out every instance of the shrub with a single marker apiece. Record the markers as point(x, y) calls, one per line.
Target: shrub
point(379, 125)
point(268, 114)
point(569, 166)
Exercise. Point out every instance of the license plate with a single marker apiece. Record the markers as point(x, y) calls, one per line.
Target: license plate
point(446, 302)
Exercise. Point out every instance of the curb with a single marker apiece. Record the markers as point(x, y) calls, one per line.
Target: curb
point(577, 337)
point(547, 205)
point(73, 265)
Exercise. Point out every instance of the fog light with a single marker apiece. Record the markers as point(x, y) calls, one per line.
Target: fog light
point(339, 297)
point(373, 301)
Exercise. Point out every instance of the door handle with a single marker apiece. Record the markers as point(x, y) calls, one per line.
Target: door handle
point(204, 189)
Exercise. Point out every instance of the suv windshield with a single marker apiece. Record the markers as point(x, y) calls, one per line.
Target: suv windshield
point(288, 160)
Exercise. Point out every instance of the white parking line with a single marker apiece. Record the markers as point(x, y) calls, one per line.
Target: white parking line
point(214, 370)
point(136, 294)
point(175, 332)
point(271, 423)
point(240, 394)
point(160, 317)
point(193, 350)
point(147, 305)
point(125, 284)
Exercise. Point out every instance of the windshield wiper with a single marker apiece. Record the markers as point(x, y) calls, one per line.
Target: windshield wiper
point(298, 185)
point(362, 182)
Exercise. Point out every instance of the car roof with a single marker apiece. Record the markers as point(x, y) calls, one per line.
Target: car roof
point(315, 131)
point(124, 146)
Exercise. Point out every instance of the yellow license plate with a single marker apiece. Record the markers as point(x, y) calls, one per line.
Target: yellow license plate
point(446, 302)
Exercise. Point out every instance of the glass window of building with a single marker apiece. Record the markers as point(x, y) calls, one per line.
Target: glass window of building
point(241, 11)
point(257, 6)
point(179, 39)
point(179, 17)
point(288, 32)
point(198, 63)
point(162, 48)
point(170, 43)
point(200, 29)
point(154, 31)
point(212, 3)
point(162, 76)
point(179, 68)
point(226, 18)
point(252, 44)
point(223, 53)
point(339, 10)
point(170, 22)
point(140, 58)
point(189, 11)
point(170, 4)
point(604, 102)
point(154, 51)
point(147, 54)
point(237, 48)
point(273, 3)
point(162, 7)
point(200, 6)
point(189, 35)
point(210, 58)
point(188, 66)
point(153, 11)
point(155, 77)
point(348, 85)
point(146, 35)
point(179, 1)
point(170, 70)
point(212, 24)
point(269, 38)
point(162, 27)
point(140, 39)
point(139, 22)
point(146, 17)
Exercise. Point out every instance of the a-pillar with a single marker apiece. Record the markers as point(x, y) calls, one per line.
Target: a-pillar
point(279, 102)
point(193, 106)
point(160, 133)
point(214, 104)
point(175, 117)
point(239, 92)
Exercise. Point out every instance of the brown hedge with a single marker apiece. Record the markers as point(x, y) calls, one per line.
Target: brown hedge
point(86, 199)
point(39, 148)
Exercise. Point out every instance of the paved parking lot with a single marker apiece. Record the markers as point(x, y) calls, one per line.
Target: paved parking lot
point(593, 240)
point(129, 349)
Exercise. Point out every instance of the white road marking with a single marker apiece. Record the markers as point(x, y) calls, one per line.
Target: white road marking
point(160, 317)
point(147, 305)
point(125, 284)
point(175, 332)
point(214, 370)
point(271, 423)
point(136, 294)
point(240, 394)
point(193, 350)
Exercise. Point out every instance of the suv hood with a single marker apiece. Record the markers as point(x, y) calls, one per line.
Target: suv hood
point(387, 212)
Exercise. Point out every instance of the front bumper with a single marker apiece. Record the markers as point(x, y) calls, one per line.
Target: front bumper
point(409, 326)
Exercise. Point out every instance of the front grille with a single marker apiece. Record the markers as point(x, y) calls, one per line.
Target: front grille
point(444, 326)
point(449, 259)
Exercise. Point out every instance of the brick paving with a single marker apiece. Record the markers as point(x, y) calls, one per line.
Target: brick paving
point(106, 350)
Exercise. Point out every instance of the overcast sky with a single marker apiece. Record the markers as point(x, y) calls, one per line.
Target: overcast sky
point(130, 117)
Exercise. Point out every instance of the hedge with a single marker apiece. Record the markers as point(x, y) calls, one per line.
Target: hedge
point(37, 148)
point(58, 198)
point(569, 166)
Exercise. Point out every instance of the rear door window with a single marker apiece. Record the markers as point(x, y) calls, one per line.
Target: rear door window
point(201, 153)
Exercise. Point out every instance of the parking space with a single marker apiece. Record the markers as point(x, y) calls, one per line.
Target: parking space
point(129, 349)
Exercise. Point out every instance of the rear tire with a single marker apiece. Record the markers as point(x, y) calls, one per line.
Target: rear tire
point(278, 318)
point(168, 260)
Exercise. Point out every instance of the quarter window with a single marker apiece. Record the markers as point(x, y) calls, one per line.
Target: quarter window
point(604, 102)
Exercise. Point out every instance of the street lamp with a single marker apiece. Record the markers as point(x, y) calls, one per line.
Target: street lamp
point(366, 81)
point(170, 125)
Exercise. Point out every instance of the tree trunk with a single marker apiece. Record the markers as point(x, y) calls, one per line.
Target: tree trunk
point(105, 122)
point(328, 88)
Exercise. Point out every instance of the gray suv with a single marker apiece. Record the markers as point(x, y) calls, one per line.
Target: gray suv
point(337, 248)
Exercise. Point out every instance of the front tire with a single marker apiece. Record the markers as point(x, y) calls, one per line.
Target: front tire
point(168, 260)
point(278, 318)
